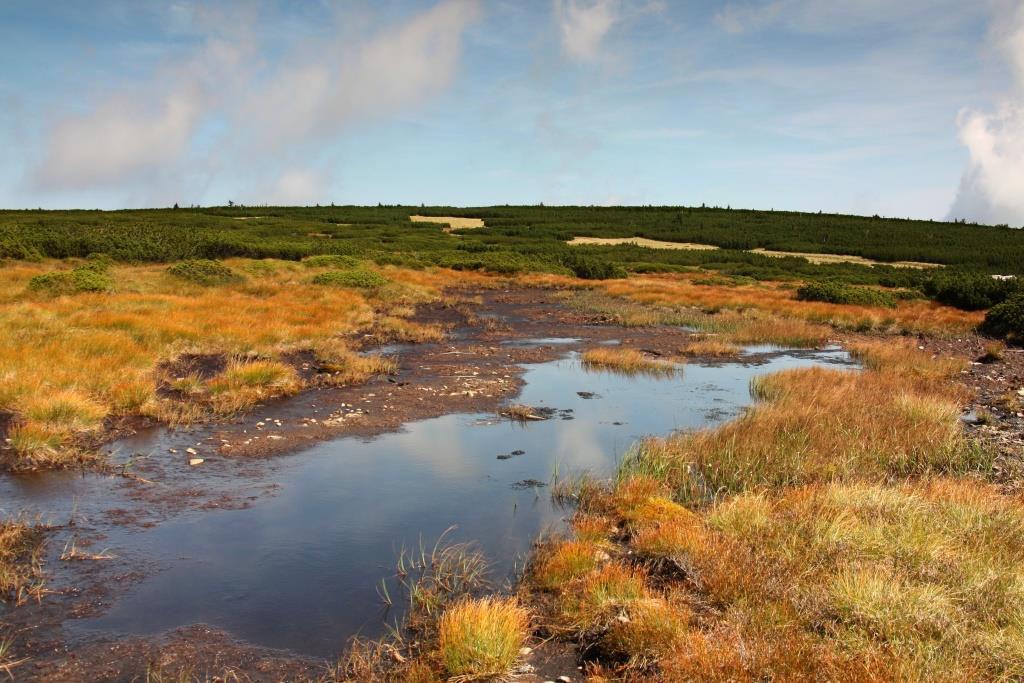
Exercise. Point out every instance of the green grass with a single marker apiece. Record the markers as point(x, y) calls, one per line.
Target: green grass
point(354, 278)
point(530, 239)
point(204, 272)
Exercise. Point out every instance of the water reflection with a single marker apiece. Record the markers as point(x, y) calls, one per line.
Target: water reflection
point(299, 570)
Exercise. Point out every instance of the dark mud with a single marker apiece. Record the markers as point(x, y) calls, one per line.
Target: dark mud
point(150, 485)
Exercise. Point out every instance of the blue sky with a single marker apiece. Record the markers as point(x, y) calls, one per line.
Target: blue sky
point(913, 108)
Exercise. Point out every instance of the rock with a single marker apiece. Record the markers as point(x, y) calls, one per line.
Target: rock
point(529, 484)
point(518, 452)
point(191, 451)
point(524, 651)
point(195, 461)
point(602, 556)
point(564, 679)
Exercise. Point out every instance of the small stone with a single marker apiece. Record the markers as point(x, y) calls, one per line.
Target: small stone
point(565, 679)
point(195, 461)
point(191, 451)
point(524, 651)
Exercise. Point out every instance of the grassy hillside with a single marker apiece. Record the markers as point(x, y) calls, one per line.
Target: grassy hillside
point(521, 239)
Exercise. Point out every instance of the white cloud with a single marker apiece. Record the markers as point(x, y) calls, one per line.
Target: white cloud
point(583, 26)
point(337, 83)
point(992, 187)
point(297, 186)
point(142, 128)
point(326, 79)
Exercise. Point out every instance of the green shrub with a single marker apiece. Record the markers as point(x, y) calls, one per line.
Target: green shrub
point(87, 278)
point(592, 269)
point(1006, 319)
point(969, 291)
point(838, 293)
point(336, 261)
point(354, 278)
point(204, 272)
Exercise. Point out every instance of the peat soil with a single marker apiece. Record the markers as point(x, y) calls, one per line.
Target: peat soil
point(476, 369)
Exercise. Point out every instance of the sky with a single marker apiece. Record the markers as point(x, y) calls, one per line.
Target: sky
point(908, 109)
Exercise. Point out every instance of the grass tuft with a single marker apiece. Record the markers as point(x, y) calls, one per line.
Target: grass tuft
point(20, 562)
point(626, 361)
point(481, 638)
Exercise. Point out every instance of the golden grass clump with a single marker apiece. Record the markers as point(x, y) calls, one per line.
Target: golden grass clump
point(650, 630)
point(400, 330)
point(710, 348)
point(626, 361)
point(594, 529)
point(20, 571)
point(244, 383)
point(594, 602)
point(481, 638)
point(563, 561)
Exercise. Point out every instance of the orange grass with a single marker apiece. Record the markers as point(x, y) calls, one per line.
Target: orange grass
point(825, 540)
point(677, 290)
point(480, 639)
point(67, 363)
point(924, 578)
point(20, 549)
point(893, 420)
point(626, 361)
point(714, 348)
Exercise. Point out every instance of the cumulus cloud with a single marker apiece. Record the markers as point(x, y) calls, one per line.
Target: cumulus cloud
point(142, 128)
point(584, 24)
point(992, 187)
point(320, 85)
point(398, 67)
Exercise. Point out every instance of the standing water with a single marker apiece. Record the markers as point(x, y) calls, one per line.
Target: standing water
point(299, 570)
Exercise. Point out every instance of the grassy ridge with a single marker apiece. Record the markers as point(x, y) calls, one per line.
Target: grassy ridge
point(519, 239)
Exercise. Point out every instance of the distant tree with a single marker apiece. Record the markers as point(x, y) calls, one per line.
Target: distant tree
point(230, 203)
point(175, 206)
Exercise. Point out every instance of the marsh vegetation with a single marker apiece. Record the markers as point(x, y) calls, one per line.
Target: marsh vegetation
point(845, 525)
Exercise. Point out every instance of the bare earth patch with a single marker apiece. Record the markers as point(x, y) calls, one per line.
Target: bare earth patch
point(453, 222)
point(640, 242)
point(844, 258)
point(694, 246)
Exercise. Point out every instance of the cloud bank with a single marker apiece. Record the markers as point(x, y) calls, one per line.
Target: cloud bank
point(320, 86)
point(992, 187)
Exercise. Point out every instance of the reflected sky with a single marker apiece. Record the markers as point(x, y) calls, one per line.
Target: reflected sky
point(299, 570)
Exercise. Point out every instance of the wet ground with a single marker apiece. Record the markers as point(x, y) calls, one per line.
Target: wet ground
point(288, 553)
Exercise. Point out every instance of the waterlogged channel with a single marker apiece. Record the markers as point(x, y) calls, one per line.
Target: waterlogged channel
point(300, 568)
